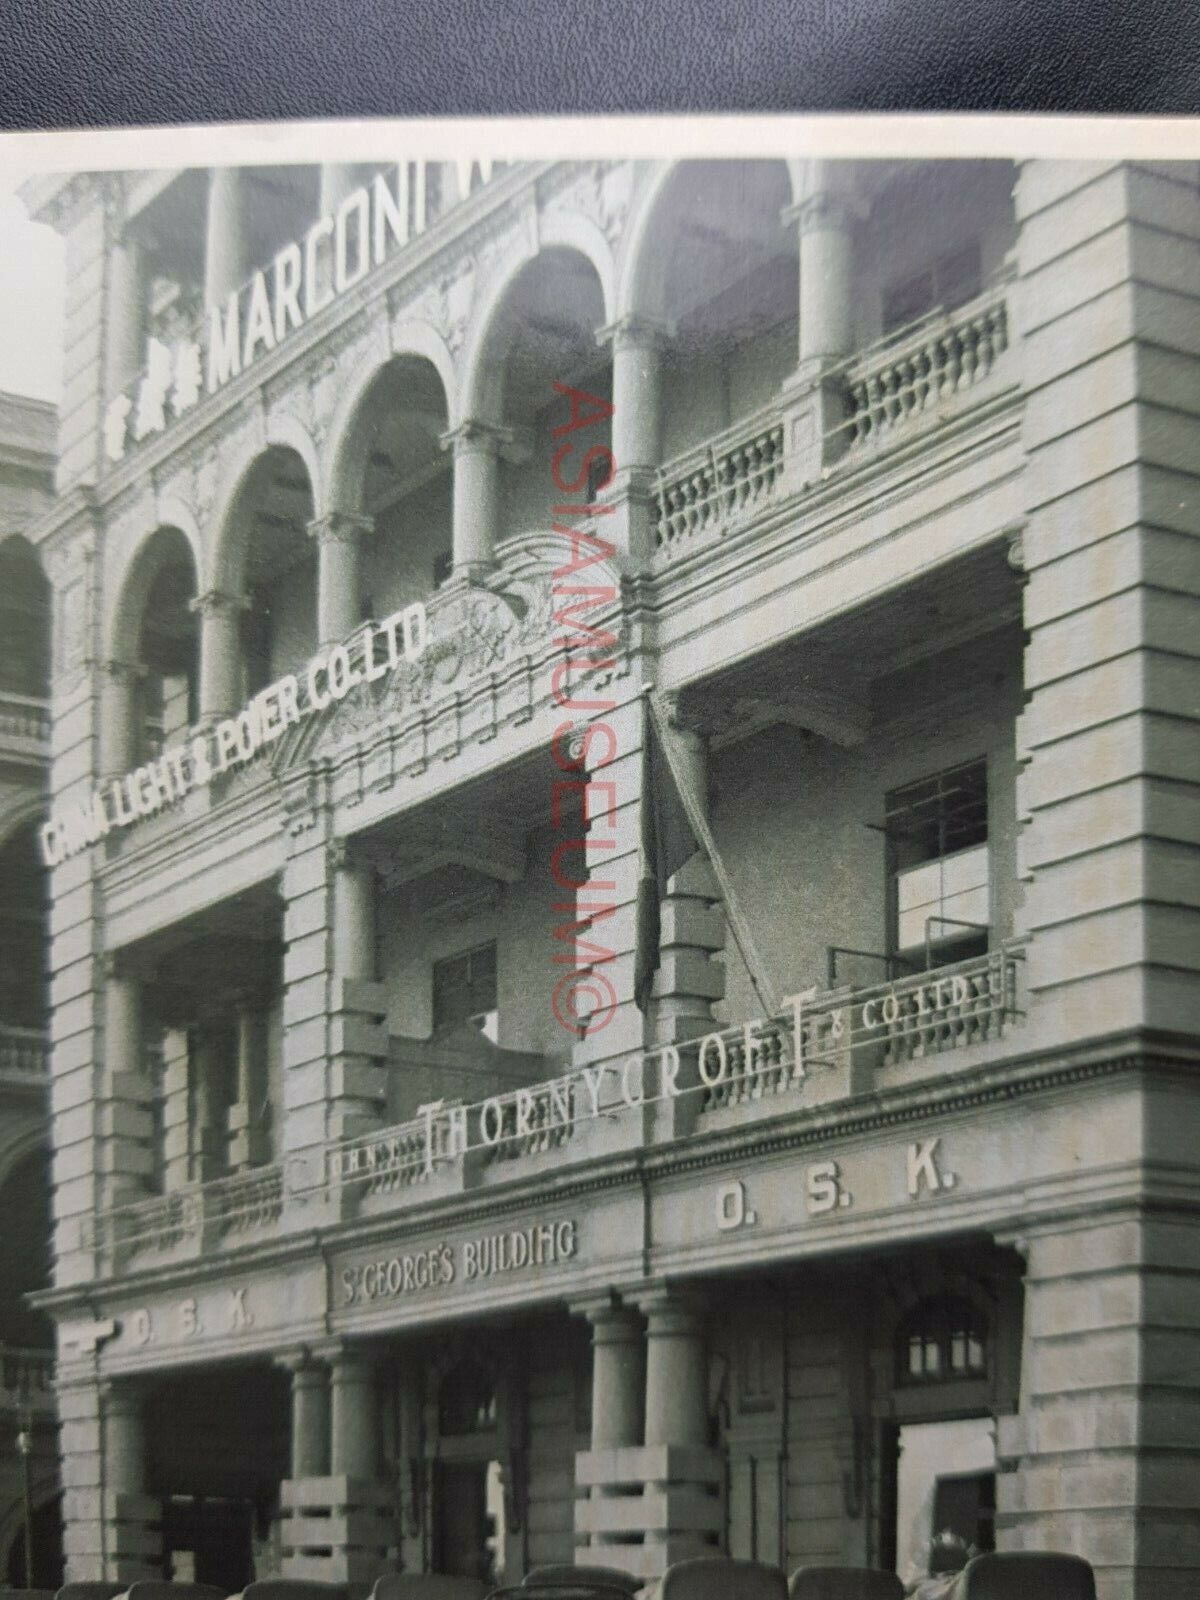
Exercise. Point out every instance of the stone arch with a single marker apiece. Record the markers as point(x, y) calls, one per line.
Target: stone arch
point(487, 357)
point(32, 1139)
point(19, 809)
point(481, 392)
point(26, 615)
point(287, 430)
point(229, 552)
point(571, 230)
point(471, 393)
point(225, 563)
point(634, 295)
point(142, 566)
point(411, 338)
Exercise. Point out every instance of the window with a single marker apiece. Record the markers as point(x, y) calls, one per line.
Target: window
point(942, 1340)
point(937, 832)
point(945, 284)
point(464, 991)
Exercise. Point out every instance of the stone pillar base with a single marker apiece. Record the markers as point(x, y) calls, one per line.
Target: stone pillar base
point(133, 1537)
point(649, 1507)
point(813, 406)
point(337, 1529)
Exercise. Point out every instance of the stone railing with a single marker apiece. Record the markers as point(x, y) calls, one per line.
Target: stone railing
point(160, 1222)
point(24, 1053)
point(720, 483)
point(26, 1378)
point(893, 383)
point(24, 717)
point(533, 1120)
point(889, 1025)
point(245, 1202)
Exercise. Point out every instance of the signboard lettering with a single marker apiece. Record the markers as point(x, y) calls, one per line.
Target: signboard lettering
point(437, 1266)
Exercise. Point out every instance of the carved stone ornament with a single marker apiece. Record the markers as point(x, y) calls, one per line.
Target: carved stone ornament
point(476, 631)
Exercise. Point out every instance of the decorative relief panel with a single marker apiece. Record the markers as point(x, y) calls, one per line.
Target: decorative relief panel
point(482, 639)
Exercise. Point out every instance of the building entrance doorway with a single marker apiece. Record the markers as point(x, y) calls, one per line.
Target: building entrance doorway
point(945, 1486)
point(208, 1540)
point(470, 1532)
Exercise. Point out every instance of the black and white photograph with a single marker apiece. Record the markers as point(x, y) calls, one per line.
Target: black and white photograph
point(600, 860)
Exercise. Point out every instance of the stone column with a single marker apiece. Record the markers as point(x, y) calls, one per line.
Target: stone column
point(220, 653)
point(637, 349)
point(176, 1112)
point(683, 1513)
point(119, 733)
point(618, 1376)
point(310, 1416)
point(339, 608)
point(358, 1004)
point(476, 447)
point(353, 913)
point(248, 1144)
point(125, 1125)
point(224, 239)
point(676, 1371)
point(826, 222)
point(125, 316)
point(333, 1485)
point(133, 1548)
point(637, 344)
point(814, 396)
point(353, 1446)
point(208, 1111)
point(691, 972)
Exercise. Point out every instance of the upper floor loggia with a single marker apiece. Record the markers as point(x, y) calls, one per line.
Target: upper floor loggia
point(751, 344)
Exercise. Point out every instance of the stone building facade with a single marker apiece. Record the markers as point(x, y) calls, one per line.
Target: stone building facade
point(390, 1229)
point(26, 1337)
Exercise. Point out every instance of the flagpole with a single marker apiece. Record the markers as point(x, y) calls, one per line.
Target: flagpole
point(738, 926)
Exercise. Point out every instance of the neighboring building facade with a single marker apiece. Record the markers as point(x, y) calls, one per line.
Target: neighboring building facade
point(27, 430)
point(363, 1255)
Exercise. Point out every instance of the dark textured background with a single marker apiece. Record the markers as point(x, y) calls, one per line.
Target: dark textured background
point(83, 62)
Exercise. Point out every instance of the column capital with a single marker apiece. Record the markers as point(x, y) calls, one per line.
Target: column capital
point(218, 603)
point(124, 672)
point(113, 968)
point(304, 1364)
point(340, 527)
point(121, 1395)
point(1014, 538)
point(669, 1309)
point(344, 855)
point(611, 1319)
point(634, 331)
point(473, 434)
point(827, 207)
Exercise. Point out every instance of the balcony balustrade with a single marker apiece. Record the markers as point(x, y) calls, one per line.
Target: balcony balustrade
point(26, 1379)
point(242, 1204)
point(24, 1055)
point(721, 483)
point(24, 721)
point(869, 1031)
point(893, 383)
point(922, 372)
point(851, 1040)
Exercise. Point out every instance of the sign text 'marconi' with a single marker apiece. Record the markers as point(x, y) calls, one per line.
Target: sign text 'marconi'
point(370, 654)
point(308, 274)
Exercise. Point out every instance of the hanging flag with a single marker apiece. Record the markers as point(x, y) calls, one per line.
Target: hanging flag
point(667, 841)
